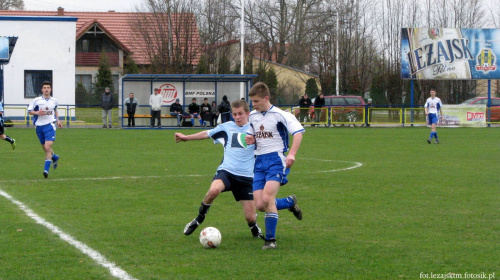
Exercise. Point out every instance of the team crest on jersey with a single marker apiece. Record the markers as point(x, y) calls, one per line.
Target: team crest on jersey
point(262, 133)
point(238, 141)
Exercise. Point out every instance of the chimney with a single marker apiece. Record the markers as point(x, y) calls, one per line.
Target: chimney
point(60, 11)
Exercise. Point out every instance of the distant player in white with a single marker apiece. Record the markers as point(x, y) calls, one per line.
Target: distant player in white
point(45, 117)
point(235, 173)
point(433, 112)
point(269, 130)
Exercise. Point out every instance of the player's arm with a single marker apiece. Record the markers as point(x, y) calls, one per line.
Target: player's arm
point(56, 114)
point(290, 158)
point(179, 137)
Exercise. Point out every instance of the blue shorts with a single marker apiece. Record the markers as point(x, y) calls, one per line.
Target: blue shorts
point(46, 133)
point(239, 185)
point(433, 118)
point(269, 167)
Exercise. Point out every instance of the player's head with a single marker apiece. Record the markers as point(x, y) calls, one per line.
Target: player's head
point(240, 112)
point(46, 87)
point(433, 92)
point(259, 95)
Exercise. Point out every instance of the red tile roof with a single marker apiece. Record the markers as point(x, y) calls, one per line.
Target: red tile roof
point(118, 26)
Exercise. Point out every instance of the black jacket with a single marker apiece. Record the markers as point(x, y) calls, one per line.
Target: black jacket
point(176, 108)
point(107, 101)
point(305, 103)
point(194, 108)
point(319, 102)
point(206, 109)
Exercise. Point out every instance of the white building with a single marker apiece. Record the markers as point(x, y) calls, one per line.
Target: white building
point(45, 50)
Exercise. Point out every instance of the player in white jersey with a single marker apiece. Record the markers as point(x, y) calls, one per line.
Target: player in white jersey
point(45, 117)
point(2, 130)
point(433, 112)
point(269, 131)
point(235, 173)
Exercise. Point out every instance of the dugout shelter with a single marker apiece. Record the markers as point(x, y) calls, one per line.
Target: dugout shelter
point(185, 87)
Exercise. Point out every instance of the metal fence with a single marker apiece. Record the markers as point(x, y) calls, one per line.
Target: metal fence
point(74, 115)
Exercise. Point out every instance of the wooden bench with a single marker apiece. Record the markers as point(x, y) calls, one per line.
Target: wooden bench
point(148, 116)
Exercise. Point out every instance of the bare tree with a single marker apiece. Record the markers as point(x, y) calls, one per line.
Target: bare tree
point(11, 5)
point(170, 35)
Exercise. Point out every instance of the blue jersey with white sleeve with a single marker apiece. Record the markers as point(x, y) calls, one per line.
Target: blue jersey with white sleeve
point(238, 157)
point(271, 130)
point(433, 105)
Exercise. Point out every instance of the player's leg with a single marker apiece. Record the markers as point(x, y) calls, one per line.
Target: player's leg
point(251, 218)
point(7, 138)
point(271, 218)
point(216, 188)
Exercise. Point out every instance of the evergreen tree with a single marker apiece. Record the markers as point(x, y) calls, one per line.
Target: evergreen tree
point(312, 88)
point(130, 66)
point(271, 81)
point(203, 65)
point(103, 77)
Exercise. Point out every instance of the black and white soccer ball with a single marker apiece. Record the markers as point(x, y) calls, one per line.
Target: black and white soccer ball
point(210, 237)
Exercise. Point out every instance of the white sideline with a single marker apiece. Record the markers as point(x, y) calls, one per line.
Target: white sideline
point(356, 165)
point(93, 254)
point(100, 178)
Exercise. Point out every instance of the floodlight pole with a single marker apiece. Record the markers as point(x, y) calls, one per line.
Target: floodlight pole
point(242, 48)
point(337, 56)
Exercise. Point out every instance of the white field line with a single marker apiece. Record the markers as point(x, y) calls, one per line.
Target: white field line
point(355, 165)
point(93, 254)
point(100, 178)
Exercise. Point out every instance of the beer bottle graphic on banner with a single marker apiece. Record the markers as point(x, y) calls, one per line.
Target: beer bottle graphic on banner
point(439, 53)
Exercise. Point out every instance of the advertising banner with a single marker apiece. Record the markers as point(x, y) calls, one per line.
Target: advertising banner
point(200, 94)
point(170, 92)
point(464, 115)
point(450, 53)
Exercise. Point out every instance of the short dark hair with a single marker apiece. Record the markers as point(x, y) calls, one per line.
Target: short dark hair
point(194, 98)
point(205, 98)
point(433, 89)
point(240, 104)
point(46, 83)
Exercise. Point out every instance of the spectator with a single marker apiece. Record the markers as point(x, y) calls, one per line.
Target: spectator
point(319, 102)
point(131, 104)
point(155, 103)
point(206, 112)
point(107, 102)
point(194, 111)
point(225, 110)
point(304, 103)
point(215, 114)
point(176, 110)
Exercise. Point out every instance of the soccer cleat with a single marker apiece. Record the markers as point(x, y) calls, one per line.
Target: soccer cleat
point(54, 163)
point(295, 208)
point(13, 144)
point(429, 141)
point(191, 226)
point(437, 141)
point(45, 173)
point(256, 232)
point(270, 244)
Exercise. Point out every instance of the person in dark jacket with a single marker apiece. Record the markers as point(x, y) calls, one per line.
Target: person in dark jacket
point(131, 104)
point(215, 114)
point(319, 102)
point(225, 110)
point(176, 110)
point(206, 112)
point(304, 104)
point(107, 102)
point(194, 111)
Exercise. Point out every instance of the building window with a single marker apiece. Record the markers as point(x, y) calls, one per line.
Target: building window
point(85, 80)
point(33, 80)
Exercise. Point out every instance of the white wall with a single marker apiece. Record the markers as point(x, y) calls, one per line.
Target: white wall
point(44, 43)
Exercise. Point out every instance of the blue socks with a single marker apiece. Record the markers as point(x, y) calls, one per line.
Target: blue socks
point(271, 221)
point(433, 134)
point(46, 167)
point(55, 157)
point(283, 203)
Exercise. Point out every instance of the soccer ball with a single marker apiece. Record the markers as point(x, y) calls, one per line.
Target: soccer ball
point(210, 237)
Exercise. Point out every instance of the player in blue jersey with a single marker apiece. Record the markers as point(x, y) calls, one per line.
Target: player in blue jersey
point(2, 130)
point(45, 117)
point(235, 173)
point(433, 112)
point(269, 131)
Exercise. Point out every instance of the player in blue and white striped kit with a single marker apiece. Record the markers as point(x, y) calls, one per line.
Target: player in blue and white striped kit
point(45, 117)
point(2, 130)
point(433, 112)
point(235, 173)
point(269, 131)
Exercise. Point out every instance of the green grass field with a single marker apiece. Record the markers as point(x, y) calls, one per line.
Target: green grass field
point(410, 208)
